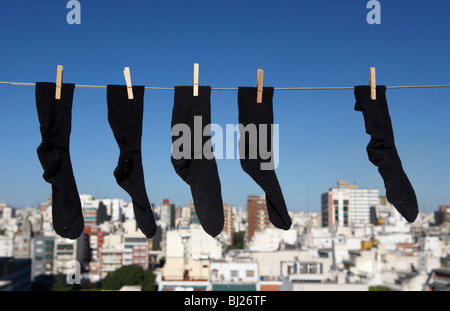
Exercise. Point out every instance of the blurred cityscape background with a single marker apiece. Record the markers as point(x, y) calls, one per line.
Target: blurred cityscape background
point(358, 242)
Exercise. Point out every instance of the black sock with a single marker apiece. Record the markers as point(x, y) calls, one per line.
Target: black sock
point(198, 171)
point(250, 112)
point(383, 153)
point(55, 118)
point(125, 118)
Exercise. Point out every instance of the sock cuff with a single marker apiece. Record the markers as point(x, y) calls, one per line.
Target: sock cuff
point(55, 116)
point(126, 115)
point(185, 102)
point(364, 100)
point(250, 110)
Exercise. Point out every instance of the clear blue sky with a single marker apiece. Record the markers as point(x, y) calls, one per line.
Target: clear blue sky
point(297, 43)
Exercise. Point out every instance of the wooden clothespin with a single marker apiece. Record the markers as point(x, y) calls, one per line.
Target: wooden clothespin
point(196, 74)
point(260, 86)
point(373, 84)
point(126, 73)
point(59, 81)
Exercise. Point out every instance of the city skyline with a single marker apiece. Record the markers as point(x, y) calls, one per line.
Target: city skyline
point(374, 248)
point(243, 205)
point(322, 138)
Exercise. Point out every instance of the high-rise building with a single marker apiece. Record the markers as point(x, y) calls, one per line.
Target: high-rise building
point(90, 208)
point(442, 215)
point(123, 250)
point(6, 212)
point(258, 217)
point(193, 218)
point(43, 206)
point(136, 251)
point(42, 263)
point(67, 251)
point(228, 225)
point(113, 209)
point(348, 205)
point(95, 211)
point(96, 238)
point(6, 246)
point(22, 240)
point(109, 261)
point(167, 214)
point(178, 211)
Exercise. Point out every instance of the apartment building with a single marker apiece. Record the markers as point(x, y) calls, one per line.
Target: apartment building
point(348, 205)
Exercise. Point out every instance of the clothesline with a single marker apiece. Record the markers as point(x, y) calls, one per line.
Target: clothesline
point(235, 89)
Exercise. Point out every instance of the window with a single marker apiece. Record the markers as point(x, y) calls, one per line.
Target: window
point(234, 273)
point(250, 273)
point(65, 247)
point(303, 268)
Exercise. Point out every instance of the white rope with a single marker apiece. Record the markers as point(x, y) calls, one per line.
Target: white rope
point(235, 89)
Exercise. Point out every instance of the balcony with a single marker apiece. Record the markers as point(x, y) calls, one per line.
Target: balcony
point(112, 261)
point(109, 269)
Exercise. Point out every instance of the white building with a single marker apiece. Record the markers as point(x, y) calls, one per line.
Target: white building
point(347, 205)
point(6, 246)
point(390, 241)
point(324, 287)
point(67, 251)
point(128, 211)
point(193, 242)
point(7, 211)
point(114, 208)
point(130, 247)
point(271, 263)
point(188, 252)
point(22, 240)
point(431, 245)
point(232, 276)
point(270, 239)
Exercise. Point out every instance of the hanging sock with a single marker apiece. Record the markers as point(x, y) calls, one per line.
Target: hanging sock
point(194, 160)
point(253, 155)
point(55, 118)
point(125, 118)
point(383, 153)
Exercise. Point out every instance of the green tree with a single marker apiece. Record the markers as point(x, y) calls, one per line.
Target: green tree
point(162, 261)
point(129, 275)
point(149, 283)
point(238, 239)
point(379, 288)
point(61, 285)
